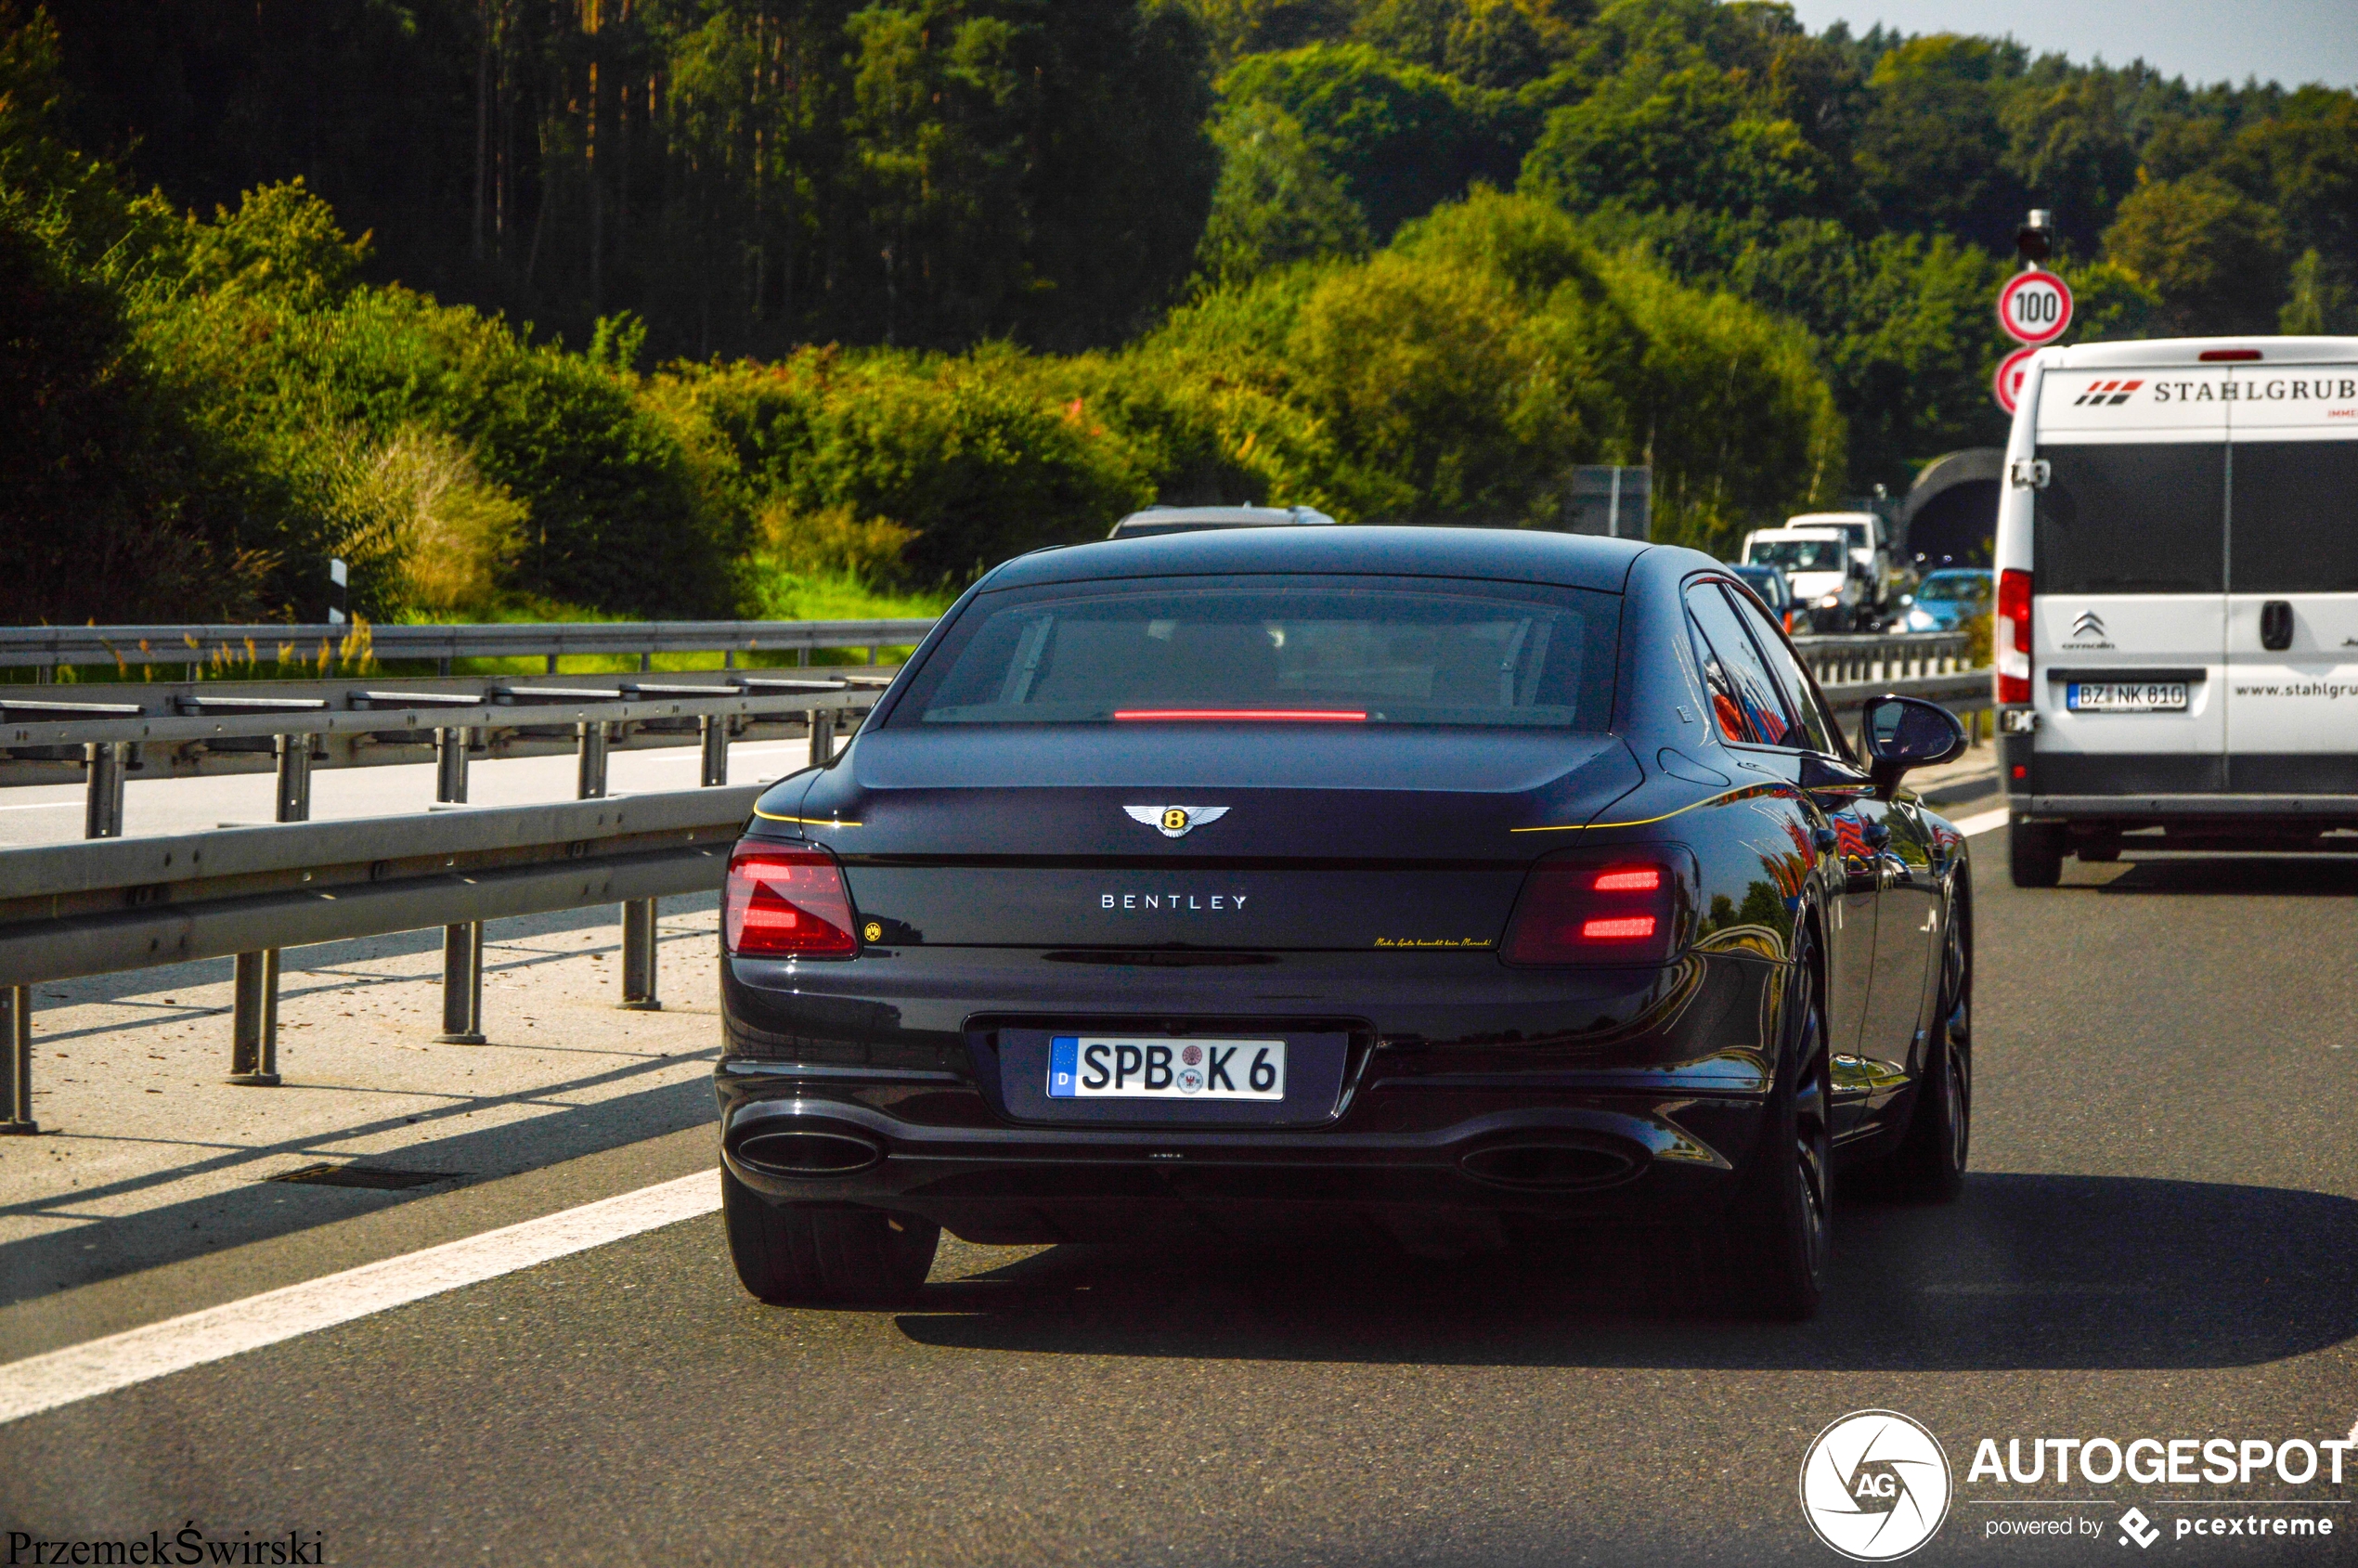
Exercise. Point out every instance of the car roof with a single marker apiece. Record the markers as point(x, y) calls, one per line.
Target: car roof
point(1962, 572)
point(1171, 519)
point(1509, 554)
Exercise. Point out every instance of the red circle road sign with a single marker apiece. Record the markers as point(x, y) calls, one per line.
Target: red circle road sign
point(2006, 385)
point(2034, 308)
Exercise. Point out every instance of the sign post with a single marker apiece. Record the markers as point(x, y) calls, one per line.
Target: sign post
point(2034, 308)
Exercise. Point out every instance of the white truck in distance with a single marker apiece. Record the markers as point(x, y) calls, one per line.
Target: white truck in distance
point(1829, 585)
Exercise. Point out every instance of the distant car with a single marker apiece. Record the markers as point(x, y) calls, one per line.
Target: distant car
point(1458, 882)
point(1948, 599)
point(1829, 583)
point(1189, 519)
point(1774, 591)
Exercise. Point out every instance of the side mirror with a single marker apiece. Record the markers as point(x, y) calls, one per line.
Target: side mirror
point(1904, 733)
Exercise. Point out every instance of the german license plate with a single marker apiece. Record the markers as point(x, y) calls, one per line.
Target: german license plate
point(2125, 696)
point(1116, 1067)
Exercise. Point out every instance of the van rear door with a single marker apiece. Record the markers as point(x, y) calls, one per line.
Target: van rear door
point(2292, 710)
point(2128, 583)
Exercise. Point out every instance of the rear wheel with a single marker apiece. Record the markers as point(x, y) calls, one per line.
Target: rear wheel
point(1930, 1162)
point(1774, 1240)
point(2034, 853)
point(795, 1252)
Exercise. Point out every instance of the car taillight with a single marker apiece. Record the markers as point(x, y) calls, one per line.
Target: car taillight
point(2013, 637)
point(785, 903)
point(1591, 908)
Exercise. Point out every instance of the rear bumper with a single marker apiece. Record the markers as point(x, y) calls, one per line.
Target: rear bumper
point(1472, 1092)
point(2318, 809)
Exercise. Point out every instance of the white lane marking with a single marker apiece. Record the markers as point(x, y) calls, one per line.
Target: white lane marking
point(136, 1355)
point(44, 806)
point(1982, 823)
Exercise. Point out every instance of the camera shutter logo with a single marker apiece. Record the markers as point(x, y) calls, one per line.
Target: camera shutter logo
point(1875, 1485)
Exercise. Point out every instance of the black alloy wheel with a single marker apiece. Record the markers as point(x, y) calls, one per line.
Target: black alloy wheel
point(1777, 1234)
point(1930, 1162)
point(797, 1253)
point(2035, 853)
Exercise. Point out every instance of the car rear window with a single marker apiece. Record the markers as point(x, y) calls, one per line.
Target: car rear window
point(2296, 510)
point(1374, 650)
point(2131, 518)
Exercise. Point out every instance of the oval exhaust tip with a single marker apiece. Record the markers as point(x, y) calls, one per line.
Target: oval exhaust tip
point(1546, 1167)
point(806, 1152)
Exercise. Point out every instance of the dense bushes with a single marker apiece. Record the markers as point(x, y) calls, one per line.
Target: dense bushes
point(200, 410)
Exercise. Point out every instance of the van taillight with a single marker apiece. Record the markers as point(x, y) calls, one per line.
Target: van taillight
point(785, 903)
point(2013, 637)
point(1593, 908)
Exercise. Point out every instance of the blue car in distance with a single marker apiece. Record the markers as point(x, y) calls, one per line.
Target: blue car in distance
point(1769, 584)
point(1946, 600)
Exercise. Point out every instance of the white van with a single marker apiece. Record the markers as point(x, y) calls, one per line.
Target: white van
point(1828, 586)
point(2177, 634)
point(1869, 548)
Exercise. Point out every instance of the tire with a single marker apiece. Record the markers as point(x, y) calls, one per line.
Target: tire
point(1774, 1240)
point(1929, 1164)
point(788, 1253)
point(2034, 853)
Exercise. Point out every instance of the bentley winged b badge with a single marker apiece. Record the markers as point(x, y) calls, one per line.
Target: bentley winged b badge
point(1174, 822)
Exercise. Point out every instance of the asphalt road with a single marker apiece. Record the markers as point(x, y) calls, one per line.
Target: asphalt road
point(2160, 1239)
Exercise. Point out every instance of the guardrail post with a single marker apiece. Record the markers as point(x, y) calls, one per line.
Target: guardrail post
point(254, 1023)
point(450, 765)
point(639, 956)
point(590, 772)
point(254, 1044)
point(294, 777)
point(462, 985)
point(712, 731)
point(822, 735)
point(461, 944)
point(16, 1060)
point(102, 815)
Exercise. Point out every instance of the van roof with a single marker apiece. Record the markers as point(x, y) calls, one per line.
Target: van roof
point(2160, 351)
point(1828, 519)
point(1794, 534)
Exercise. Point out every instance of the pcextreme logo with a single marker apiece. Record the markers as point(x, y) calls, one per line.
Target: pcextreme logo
point(1874, 1486)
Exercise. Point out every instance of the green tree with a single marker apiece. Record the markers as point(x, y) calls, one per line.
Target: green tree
point(1932, 146)
point(1399, 137)
point(2214, 255)
point(1684, 139)
point(1275, 203)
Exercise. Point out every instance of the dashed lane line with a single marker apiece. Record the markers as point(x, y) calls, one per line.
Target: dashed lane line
point(137, 1356)
point(1982, 823)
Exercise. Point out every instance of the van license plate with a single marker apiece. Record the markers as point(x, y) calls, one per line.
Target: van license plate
point(2126, 696)
point(1089, 1067)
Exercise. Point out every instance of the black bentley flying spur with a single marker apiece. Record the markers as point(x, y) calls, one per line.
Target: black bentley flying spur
point(1448, 883)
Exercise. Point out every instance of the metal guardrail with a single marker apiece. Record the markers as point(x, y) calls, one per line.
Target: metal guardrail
point(1832, 659)
point(1842, 661)
point(202, 729)
point(49, 647)
point(102, 907)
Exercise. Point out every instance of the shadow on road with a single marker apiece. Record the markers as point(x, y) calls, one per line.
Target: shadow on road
point(2023, 1271)
point(2249, 876)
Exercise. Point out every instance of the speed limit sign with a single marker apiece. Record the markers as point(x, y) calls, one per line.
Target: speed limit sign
point(2034, 308)
point(2006, 385)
